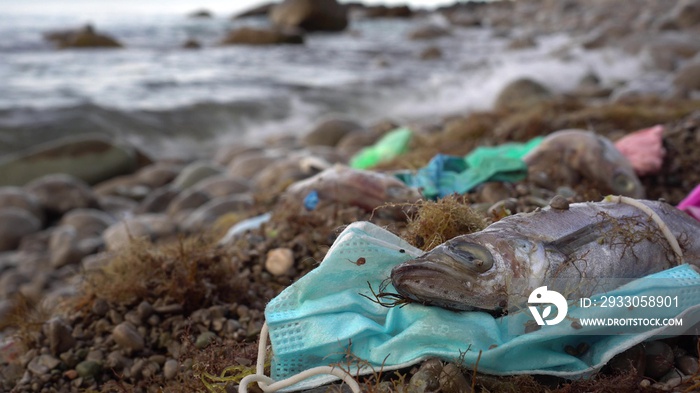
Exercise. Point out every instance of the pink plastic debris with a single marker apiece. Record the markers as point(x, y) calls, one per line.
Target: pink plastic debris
point(644, 149)
point(691, 203)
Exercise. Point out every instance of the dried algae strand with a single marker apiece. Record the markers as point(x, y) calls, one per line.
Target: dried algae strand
point(436, 222)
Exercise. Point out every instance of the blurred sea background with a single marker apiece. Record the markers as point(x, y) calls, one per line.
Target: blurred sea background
point(175, 102)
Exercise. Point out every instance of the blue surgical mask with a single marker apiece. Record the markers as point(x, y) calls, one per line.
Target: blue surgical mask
point(316, 320)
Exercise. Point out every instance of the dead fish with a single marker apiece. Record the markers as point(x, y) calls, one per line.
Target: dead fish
point(567, 156)
point(498, 267)
point(346, 186)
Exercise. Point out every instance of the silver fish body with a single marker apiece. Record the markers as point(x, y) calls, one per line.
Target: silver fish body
point(568, 250)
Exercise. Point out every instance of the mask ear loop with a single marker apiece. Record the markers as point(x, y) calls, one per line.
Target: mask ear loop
point(655, 217)
point(268, 385)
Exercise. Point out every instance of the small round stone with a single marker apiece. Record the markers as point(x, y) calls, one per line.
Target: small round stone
point(559, 203)
point(87, 369)
point(279, 261)
point(170, 368)
point(659, 359)
point(126, 336)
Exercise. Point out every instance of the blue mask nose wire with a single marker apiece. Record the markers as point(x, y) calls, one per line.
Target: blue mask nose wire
point(268, 385)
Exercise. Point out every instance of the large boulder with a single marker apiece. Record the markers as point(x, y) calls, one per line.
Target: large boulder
point(261, 10)
point(253, 36)
point(330, 132)
point(382, 11)
point(16, 223)
point(310, 15)
point(687, 79)
point(86, 37)
point(89, 158)
point(522, 93)
point(59, 194)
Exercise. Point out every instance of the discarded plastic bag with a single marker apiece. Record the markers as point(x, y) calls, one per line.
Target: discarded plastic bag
point(445, 175)
point(389, 146)
point(317, 319)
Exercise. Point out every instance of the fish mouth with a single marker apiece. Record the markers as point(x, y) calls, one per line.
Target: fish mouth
point(439, 279)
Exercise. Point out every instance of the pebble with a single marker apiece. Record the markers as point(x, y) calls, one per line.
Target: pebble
point(127, 337)
point(559, 203)
point(100, 307)
point(87, 369)
point(452, 380)
point(688, 365)
point(42, 364)
point(427, 378)
point(61, 193)
point(196, 172)
point(279, 261)
point(116, 360)
point(144, 310)
point(633, 358)
point(16, 223)
point(71, 374)
point(60, 336)
point(63, 247)
point(170, 368)
point(16, 197)
point(659, 359)
point(95, 355)
point(204, 339)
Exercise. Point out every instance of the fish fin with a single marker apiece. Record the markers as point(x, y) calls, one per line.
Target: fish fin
point(568, 244)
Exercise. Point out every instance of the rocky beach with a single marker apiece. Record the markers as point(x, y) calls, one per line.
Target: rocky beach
point(127, 265)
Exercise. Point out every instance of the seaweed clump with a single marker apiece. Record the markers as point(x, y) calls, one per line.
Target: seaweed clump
point(190, 272)
point(436, 222)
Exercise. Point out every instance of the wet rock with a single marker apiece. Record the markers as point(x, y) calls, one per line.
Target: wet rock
point(453, 381)
point(310, 15)
point(42, 364)
point(279, 261)
point(258, 36)
point(144, 310)
point(203, 14)
point(429, 32)
point(226, 153)
point(60, 336)
point(522, 93)
point(687, 79)
point(382, 11)
point(220, 186)
point(127, 337)
point(17, 197)
point(257, 11)
point(61, 193)
point(204, 339)
point(63, 247)
point(187, 200)
point(191, 44)
point(430, 53)
point(117, 361)
point(88, 369)
point(158, 200)
point(686, 14)
point(16, 223)
point(170, 369)
point(330, 132)
point(87, 222)
point(85, 37)
point(91, 159)
point(150, 226)
point(629, 360)
point(207, 214)
point(427, 378)
point(196, 172)
point(659, 359)
point(522, 43)
point(559, 203)
point(247, 165)
point(158, 174)
point(688, 365)
point(116, 206)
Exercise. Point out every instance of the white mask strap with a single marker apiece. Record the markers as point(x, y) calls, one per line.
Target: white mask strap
point(268, 385)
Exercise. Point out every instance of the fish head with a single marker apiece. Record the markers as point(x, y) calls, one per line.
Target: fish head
point(621, 178)
point(465, 273)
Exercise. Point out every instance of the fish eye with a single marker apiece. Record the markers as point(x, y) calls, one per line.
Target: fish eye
point(622, 183)
point(475, 256)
